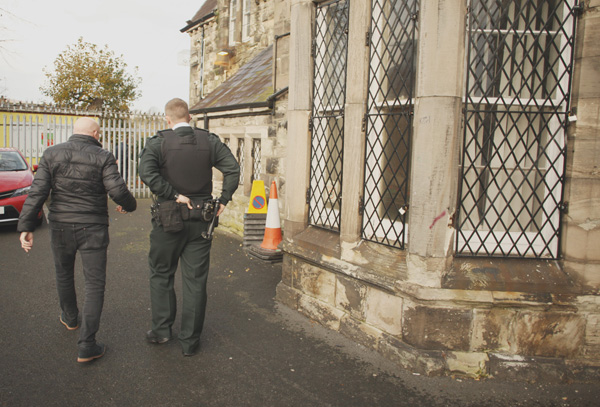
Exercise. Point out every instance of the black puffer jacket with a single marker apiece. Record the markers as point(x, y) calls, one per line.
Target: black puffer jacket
point(77, 175)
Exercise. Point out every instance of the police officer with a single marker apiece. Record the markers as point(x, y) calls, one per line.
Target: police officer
point(177, 166)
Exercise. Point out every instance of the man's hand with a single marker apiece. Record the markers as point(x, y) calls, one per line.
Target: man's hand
point(26, 241)
point(121, 210)
point(184, 200)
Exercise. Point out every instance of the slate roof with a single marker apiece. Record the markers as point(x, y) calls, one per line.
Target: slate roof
point(250, 86)
point(207, 10)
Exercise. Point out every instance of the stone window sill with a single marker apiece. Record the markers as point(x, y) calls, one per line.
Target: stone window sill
point(488, 280)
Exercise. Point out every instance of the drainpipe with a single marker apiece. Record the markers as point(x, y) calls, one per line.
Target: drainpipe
point(277, 37)
point(271, 99)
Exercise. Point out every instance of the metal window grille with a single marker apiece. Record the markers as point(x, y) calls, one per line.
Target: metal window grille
point(256, 159)
point(520, 55)
point(389, 120)
point(240, 158)
point(330, 49)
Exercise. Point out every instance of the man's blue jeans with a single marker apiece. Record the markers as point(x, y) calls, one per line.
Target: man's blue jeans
point(91, 241)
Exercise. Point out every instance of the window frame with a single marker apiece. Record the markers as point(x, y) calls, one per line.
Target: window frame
point(327, 115)
point(246, 20)
point(233, 15)
point(379, 224)
point(543, 238)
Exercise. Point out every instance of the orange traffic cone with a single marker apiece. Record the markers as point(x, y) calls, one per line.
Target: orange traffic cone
point(273, 226)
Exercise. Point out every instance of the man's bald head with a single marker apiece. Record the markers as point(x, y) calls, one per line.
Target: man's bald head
point(177, 111)
point(87, 126)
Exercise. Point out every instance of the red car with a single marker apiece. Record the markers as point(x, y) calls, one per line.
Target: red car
point(16, 177)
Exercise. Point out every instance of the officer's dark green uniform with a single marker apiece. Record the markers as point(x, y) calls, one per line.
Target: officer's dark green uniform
point(174, 162)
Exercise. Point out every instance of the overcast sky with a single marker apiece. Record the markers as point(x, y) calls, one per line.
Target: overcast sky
point(145, 32)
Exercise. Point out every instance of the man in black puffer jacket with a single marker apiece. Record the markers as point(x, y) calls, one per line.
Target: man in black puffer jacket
point(77, 175)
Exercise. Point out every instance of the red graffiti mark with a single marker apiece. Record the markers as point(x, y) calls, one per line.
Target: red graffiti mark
point(440, 216)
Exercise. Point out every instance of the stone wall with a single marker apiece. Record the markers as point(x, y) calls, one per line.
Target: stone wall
point(582, 186)
point(271, 128)
point(536, 335)
point(216, 34)
point(198, 87)
point(270, 22)
point(422, 307)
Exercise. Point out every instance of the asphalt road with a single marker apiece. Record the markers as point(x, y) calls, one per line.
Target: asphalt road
point(254, 351)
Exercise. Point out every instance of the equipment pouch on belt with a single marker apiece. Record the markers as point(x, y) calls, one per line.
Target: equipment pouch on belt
point(170, 216)
point(196, 211)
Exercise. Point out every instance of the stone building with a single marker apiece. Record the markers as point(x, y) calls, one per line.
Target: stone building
point(443, 192)
point(238, 87)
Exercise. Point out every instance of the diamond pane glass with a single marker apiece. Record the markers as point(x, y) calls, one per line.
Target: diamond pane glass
point(330, 49)
point(240, 158)
point(519, 67)
point(389, 120)
point(256, 159)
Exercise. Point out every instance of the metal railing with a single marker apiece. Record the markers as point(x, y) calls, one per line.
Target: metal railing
point(122, 134)
point(125, 136)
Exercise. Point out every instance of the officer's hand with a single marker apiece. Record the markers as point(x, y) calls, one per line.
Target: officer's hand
point(185, 200)
point(221, 209)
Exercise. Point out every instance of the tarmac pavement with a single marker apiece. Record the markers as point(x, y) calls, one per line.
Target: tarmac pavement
point(254, 351)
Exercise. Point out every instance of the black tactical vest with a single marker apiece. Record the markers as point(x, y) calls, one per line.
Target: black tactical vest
point(186, 162)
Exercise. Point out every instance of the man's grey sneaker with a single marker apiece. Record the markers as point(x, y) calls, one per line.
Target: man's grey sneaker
point(89, 354)
point(71, 326)
point(154, 338)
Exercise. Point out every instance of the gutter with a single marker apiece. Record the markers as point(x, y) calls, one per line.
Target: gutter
point(271, 99)
point(231, 107)
point(192, 24)
point(267, 103)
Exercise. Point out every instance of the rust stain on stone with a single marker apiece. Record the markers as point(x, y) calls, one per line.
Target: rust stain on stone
point(549, 334)
point(540, 279)
point(353, 295)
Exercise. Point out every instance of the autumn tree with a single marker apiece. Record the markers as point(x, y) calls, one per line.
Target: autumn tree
point(88, 77)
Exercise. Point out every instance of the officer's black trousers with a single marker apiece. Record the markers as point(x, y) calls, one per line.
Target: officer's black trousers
point(165, 251)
